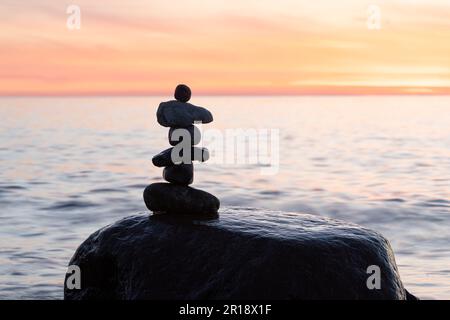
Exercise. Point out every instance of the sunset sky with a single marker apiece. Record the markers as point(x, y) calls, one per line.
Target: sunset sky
point(224, 47)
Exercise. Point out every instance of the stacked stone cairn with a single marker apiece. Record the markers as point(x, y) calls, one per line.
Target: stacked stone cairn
point(176, 197)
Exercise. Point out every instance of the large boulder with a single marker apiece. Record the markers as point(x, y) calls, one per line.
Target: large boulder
point(242, 254)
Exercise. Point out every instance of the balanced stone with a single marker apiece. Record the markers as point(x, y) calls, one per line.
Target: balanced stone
point(182, 93)
point(182, 174)
point(180, 114)
point(176, 137)
point(175, 199)
point(164, 158)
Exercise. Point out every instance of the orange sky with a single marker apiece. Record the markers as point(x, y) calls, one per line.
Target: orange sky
point(224, 47)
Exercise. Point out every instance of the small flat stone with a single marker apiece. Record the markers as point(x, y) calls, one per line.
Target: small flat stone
point(194, 133)
point(182, 174)
point(182, 93)
point(182, 200)
point(164, 158)
point(181, 115)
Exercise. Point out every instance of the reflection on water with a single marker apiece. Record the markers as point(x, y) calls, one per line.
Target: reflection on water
point(70, 166)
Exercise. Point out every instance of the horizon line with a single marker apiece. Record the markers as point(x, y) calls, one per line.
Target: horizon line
point(99, 95)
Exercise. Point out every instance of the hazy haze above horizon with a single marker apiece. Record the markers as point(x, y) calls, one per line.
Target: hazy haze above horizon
point(218, 47)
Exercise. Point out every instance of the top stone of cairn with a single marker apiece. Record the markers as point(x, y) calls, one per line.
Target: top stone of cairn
point(179, 113)
point(182, 93)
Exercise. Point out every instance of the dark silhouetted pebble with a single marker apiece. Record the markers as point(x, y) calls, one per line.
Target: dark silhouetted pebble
point(194, 134)
point(176, 199)
point(181, 115)
point(182, 93)
point(164, 158)
point(182, 174)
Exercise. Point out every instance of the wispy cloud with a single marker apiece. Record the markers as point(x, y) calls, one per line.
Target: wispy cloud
point(264, 46)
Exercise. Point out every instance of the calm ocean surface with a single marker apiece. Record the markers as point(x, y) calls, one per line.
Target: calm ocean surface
point(69, 166)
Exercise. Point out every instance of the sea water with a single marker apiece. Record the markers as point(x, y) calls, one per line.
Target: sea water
point(69, 166)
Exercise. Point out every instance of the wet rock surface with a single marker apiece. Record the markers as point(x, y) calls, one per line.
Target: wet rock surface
point(244, 254)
